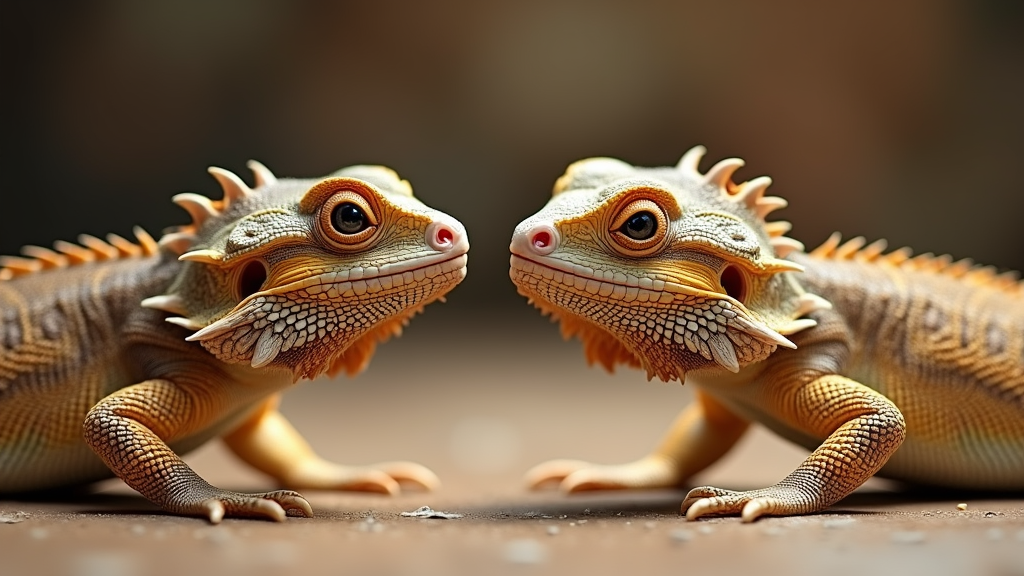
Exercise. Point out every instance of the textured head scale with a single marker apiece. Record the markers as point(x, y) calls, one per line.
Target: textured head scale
point(668, 268)
point(308, 275)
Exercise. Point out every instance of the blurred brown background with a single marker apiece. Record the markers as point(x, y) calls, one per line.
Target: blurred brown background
point(898, 120)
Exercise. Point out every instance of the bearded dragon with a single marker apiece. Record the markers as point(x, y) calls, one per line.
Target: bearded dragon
point(117, 356)
point(911, 368)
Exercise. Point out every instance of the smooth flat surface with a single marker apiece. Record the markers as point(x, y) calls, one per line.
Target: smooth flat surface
point(480, 402)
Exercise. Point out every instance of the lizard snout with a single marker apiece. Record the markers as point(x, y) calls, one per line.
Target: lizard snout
point(540, 239)
point(446, 235)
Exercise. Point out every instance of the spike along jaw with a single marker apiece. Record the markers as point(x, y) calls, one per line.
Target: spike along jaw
point(661, 268)
point(316, 281)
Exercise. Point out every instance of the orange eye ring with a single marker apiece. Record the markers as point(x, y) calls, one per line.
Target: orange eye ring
point(347, 220)
point(640, 228)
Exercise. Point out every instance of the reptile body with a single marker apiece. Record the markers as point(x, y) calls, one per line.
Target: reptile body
point(908, 367)
point(117, 356)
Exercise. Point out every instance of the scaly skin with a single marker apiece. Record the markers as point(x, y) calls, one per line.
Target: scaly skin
point(909, 368)
point(148, 350)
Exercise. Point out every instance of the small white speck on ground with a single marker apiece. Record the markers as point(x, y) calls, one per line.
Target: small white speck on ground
point(994, 534)
point(13, 517)
point(681, 535)
point(428, 512)
point(39, 533)
point(525, 551)
point(907, 537)
point(705, 529)
point(553, 530)
point(961, 506)
point(581, 521)
point(572, 524)
point(833, 523)
point(138, 529)
point(650, 525)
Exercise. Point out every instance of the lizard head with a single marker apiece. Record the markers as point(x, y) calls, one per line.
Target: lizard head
point(668, 269)
point(308, 275)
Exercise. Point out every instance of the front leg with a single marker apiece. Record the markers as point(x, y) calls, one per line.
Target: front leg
point(863, 429)
point(269, 443)
point(129, 430)
point(700, 435)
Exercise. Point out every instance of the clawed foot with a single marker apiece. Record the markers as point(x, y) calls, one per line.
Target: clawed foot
point(749, 505)
point(578, 476)
point(383, 478)
point(269, 505)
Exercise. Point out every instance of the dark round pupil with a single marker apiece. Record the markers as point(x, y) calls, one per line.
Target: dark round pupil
point(640, 226)
point(348, 218)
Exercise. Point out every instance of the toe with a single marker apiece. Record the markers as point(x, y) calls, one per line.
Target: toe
point(412, 473)
point(213, 510)
point(758, 507)
point(292, 502)
point(552, 471)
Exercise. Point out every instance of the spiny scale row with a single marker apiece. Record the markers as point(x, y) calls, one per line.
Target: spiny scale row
point(857, 249)
point(64, 254)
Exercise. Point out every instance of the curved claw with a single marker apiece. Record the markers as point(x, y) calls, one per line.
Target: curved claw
point(274, 506)
point(710, 501)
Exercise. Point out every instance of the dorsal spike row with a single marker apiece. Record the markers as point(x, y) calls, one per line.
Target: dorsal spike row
point(856, 249)
point(749, 194)
point(261, 174)
point(64, 254)
point(234, 188)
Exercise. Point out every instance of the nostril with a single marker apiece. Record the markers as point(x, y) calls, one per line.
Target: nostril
point(441, 236)
point(541, 240)
point(444, 236)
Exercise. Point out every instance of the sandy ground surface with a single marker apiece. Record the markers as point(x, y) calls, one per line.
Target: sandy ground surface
point(479, 408)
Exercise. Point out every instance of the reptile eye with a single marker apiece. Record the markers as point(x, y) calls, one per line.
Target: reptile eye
point(348, 218)
point(640, 226)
